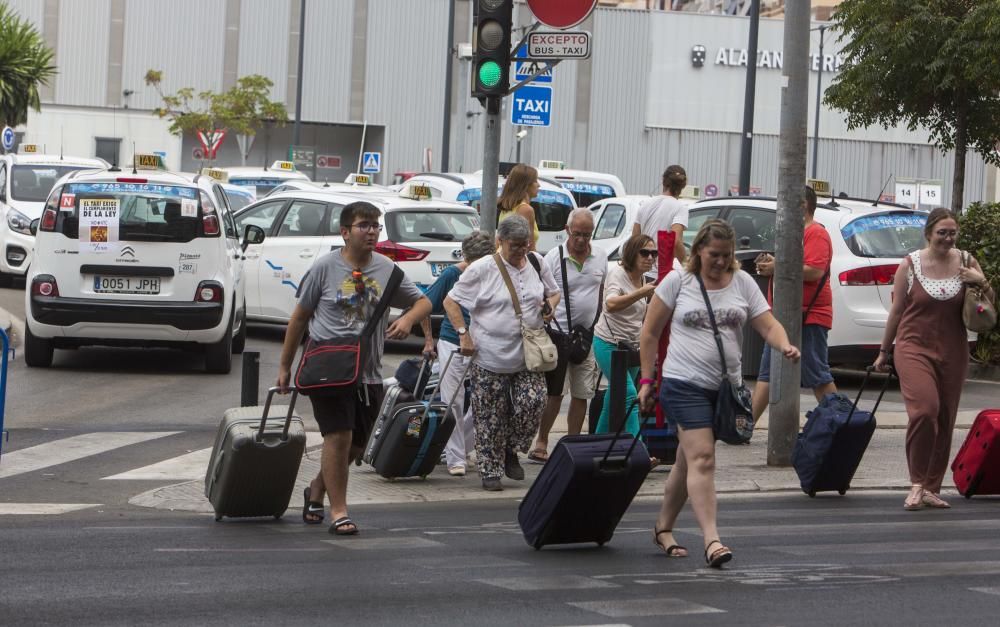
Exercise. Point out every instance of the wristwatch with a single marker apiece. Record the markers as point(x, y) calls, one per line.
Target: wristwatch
point(461, 331)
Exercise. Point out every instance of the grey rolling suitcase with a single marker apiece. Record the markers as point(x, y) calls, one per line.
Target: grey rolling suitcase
point(255, 460)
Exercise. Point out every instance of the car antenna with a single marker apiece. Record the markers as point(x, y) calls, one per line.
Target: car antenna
point(875, 202)
point(61, 131)
point(134, 170)
point(833, 200)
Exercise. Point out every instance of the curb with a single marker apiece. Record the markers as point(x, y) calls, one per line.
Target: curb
point(983, 372)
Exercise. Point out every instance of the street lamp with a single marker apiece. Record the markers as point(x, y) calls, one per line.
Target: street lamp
point(819, 94)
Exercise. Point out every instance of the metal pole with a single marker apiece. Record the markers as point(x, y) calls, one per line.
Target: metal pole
point(491, 166)
point(746, 149)
point(615, 396)
point(819, 96)
point(361, 150)
point(298, 78)
point(783, 421)
point(446, 126)
point(5, 345)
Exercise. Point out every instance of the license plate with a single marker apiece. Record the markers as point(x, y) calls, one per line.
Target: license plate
point(126, 285)
point(437, 267)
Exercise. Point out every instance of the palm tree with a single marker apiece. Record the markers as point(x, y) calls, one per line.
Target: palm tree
point(25, 62)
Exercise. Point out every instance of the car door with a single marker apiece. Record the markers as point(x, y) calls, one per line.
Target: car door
point(234, 253)
point(264, 215)
point(288, 254)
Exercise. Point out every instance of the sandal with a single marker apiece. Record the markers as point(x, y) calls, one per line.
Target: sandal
point(719, 556)
point(337, 528)
point(539, 455)
point(674, 550)
point(933, 500)
point(312, 512)
point(915, 500)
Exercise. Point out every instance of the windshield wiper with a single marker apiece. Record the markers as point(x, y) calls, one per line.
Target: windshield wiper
point(444, 237)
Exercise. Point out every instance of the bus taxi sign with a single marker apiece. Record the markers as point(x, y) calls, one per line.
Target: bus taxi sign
point(822, 188)
point(29, 148)
point(358, 179)
point(217, 174)
point(287, 166)
point(148, 162)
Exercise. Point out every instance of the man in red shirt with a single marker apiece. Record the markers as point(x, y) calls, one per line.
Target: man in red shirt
point(817, 311)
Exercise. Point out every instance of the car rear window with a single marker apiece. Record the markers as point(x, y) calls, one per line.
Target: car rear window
point(587, 194)
point(32, 183)
point(551, 207)
point(141, 212)
point(430, 226)
point(889, 235)
point(262, 185)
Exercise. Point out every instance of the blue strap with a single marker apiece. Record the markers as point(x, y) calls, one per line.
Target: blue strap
point(426, 443)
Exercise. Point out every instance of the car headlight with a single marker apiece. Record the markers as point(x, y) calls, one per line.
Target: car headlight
point(18, 222)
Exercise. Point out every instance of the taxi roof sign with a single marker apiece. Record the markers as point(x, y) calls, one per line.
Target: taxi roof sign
point(416, 191)
point(691, 191)
point(286, 166)
point(822, 188)
point(358, 179)
point(29, 148)
point(551, 164)
point(217, 174)
point(149, 162)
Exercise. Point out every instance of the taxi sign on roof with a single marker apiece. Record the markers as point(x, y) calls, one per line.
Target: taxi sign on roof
point(551, 165)
point(822, 188)
point(287, 166)
point(417, 191)
point(217, 174)
point(148, 162)
point(29, 148)
point(691, 191)
point(358, 179)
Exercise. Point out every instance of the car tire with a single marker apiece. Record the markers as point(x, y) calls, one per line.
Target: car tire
point(219, 356)
point(240, 341)
point(38, 351)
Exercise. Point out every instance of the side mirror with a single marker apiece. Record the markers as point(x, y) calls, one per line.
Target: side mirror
point(33, 227)
point(252, 234)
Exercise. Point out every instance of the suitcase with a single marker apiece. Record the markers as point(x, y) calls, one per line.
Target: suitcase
point(255, 460)
point(583, 490)
point(976, 468)
point(409, 435)
point(829, 450)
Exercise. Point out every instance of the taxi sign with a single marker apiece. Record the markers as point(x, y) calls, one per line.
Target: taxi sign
point(691, 191)
point(551, 165)
point(216, 173)
point(287, 166)
point(417, 191)
point(29, 148)
point(822, 188)
point(358, 179)
point(148, 162)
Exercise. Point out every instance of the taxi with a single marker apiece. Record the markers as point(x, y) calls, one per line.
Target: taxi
point(25, 182)
point(143, 257)
point(355, 184)
point(263, 180)
point(587, 187)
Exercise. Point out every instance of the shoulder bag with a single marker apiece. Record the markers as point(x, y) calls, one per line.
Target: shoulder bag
point(338, 362)
point(576, 343)
point(979, 314)
point(540, 353)
point(733, 420)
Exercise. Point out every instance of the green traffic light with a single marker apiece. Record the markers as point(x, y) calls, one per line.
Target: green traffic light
point(489, 74)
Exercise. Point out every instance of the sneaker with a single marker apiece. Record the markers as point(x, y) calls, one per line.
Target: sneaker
point(492, 484)
point(512, 467)
point(456, 471)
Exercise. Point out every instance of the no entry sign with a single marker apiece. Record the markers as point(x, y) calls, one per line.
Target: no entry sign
point(561, 13)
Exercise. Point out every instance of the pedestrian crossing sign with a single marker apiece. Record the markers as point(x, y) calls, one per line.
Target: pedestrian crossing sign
point(371, 162)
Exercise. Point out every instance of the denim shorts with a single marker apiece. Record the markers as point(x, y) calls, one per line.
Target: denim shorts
point(686, 405)
point(815, 362)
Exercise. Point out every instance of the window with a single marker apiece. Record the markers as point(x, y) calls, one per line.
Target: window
point(108, 148)
point(696, 218)
point(611, 223)
point(227, 218)
point(147, 212)
point(32, 183)
point(551, 209)
point(333, 225)
point(3, 182)
point(263, 215)
point(891, 235)
point(754, 228)
point(430, 226)
point(303, 219)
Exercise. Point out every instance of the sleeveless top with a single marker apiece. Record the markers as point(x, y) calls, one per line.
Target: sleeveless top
point(933, 304)
point(939, 289)
point(506, 213)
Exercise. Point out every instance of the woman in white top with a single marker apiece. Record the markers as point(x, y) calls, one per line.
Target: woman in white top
point(507, 400)
point(692, 371)
point(665, 213)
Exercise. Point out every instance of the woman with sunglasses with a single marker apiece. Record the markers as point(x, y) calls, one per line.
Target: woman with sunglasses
point(625, 298)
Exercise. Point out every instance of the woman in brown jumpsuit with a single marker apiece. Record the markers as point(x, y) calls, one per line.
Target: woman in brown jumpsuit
point(932, 352)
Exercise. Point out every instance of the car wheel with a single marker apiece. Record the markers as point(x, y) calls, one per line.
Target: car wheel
point(240, 341)
point(37, 351)
point(219, 356)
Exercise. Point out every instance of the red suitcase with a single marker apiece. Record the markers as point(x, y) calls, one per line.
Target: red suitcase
point(977, 466)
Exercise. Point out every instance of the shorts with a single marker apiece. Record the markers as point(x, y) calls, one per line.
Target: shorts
point(815, 362)
point(582, 377)
point(686, 405)
point(347, 410)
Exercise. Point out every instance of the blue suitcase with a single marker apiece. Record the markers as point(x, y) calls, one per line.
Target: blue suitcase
point(833, 441)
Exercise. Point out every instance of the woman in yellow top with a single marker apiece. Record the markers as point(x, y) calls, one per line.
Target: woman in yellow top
point(515, 198)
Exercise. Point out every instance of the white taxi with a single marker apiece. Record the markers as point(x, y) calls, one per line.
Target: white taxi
point(137, 258)
point(25, 182)
point(587, 187)
point(422, 235)
point(263, 180)
point(361, 185)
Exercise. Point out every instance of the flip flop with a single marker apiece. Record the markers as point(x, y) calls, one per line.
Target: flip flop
point(538, 456)
point(312, 508)
point(337, 528)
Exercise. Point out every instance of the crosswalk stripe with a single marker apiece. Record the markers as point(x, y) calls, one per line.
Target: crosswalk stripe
point(866, 548)
point(42, 509)
point(922, 523)
point(71, 449)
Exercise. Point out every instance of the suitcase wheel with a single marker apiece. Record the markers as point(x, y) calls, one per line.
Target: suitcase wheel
point(218, 517)
point(842, 492)
point(968, 495)
point(812, 494)
point(423, 477)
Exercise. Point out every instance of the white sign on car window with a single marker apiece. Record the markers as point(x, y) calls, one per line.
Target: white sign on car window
point(98, 224)
point(930, 194)
point(906, 194)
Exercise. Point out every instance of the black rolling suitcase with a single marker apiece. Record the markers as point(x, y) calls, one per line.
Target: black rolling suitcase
point(833, 441)
point(584, 489)
point(255, 461)
point(409, 436)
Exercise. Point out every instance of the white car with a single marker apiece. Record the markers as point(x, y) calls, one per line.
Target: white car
point(263, 180)
point(422, 236)
point(553, 203)
point(25, 183)
point(869, 242)
point(144, 258)
point(613, 220)
point(326, 186)
point(587, 187)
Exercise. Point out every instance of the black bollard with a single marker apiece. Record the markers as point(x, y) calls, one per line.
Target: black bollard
point(616, 389)
point(251, 379)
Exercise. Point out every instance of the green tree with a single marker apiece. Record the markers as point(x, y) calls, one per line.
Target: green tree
point(241, 110)
point(25, 63)
point(930, 63)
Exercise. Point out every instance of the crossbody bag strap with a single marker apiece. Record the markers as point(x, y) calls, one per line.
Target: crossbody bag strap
point(510, 286)
point(715, 328)
point(565, 282)
point(600, 305)
point(819, 289)
point(383, 303)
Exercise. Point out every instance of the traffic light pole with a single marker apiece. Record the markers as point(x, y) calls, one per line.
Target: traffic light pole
point(491, 166)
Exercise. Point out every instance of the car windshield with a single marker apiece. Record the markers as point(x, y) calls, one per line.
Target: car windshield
point(261, 184)
point(430, 226)
point(138, 212)
point(32, 183)
point(587, 194)
point(551, 207)
point(889, 235)
point(237, 200)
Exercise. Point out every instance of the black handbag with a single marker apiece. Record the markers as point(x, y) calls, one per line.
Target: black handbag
point(339, 362)
point(733, 420)
point(577, 342)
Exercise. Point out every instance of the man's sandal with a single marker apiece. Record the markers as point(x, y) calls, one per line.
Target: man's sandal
point(719, 556)
point(674, 550)
point(338, 527)
point(312, 511)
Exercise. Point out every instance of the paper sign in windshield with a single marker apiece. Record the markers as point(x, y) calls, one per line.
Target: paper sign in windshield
point(98, 228)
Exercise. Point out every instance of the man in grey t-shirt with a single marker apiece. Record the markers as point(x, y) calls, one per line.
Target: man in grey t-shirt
point(336, 298)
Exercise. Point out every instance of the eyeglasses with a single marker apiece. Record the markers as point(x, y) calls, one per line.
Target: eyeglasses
point(645, 252)
point(587, 235)
point(946, 233)
point(371, 227)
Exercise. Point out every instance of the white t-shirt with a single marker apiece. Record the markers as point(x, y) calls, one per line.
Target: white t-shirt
point(693, 355)
point(660, 214)
point(495, 330)
point(584, 285)
point(624, 324)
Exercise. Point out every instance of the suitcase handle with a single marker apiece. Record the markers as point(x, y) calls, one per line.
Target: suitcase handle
point(618, 434)
point(267, 408)
point(864, 383)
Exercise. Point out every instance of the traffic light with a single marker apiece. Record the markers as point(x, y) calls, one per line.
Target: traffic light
point(491, 26)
